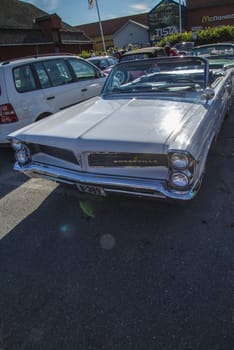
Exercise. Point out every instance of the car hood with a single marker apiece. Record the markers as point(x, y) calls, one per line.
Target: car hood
point(137, 124)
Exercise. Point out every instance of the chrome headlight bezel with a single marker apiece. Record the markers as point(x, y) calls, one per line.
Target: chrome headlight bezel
point(22, 153)
point(16, 144)
point(181, 165)
point(174, 180)
point(179, 160)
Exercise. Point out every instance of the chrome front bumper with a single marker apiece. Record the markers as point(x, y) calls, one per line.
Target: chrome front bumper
point(110, 184)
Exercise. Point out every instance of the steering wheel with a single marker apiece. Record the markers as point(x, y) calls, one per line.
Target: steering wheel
point(121, 76)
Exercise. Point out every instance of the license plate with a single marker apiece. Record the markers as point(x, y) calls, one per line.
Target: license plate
point(98, 191)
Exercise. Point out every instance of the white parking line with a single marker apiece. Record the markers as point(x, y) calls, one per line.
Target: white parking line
point(21, 202)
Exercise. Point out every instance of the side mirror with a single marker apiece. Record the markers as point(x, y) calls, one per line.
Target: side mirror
point(208, 94)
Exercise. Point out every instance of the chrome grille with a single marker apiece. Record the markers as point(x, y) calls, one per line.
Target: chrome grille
point(56, 152)
point(126, 160)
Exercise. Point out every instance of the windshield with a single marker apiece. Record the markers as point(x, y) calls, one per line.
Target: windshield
point(137, 56)
point(187, 46)
point(214, 50)
point(174, 74)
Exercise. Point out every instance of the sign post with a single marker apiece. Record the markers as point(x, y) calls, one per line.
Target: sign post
point(180, 19)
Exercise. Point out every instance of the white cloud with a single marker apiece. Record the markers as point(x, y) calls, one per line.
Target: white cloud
point(139, 7)
point(131, 9)
point(46, 5)
point(50, 5)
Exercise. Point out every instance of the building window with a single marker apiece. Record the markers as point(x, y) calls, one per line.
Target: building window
point(164, 19)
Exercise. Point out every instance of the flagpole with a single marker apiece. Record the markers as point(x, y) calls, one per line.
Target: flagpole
point(180, 21)
point(100, 24)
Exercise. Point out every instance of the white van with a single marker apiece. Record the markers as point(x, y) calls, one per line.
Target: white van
point(34, 88)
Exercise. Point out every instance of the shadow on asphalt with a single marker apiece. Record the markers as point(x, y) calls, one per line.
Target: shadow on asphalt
point(140, 275)
point(9, 179)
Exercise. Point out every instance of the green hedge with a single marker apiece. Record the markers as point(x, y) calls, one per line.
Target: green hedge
point(206, 36)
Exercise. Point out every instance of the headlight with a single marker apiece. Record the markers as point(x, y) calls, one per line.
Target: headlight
point(179, 161)
point(16, 144)
point(22, 155)
point(179, 180)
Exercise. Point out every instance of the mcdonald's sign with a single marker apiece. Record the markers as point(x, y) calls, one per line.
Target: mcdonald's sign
point(205, 19)
point(209, 19)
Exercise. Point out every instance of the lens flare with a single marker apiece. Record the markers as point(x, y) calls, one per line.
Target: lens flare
point(107, 241)
point(67, 230)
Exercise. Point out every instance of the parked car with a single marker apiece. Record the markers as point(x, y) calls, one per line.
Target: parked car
point(139, 54)
point(145, 52)
point(220, 55)
point(33, 88)
point(105, 63)
point(184, 47)
point(148, 136)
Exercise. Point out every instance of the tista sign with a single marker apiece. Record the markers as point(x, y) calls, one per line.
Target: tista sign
point(165, 31)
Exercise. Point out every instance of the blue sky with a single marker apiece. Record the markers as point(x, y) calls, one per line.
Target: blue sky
point(76, 12)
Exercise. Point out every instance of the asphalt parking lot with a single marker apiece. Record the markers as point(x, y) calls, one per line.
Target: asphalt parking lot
point(139, 275)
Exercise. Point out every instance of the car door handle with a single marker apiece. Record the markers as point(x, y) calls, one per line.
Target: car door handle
point(83, 90)
point(50, 97)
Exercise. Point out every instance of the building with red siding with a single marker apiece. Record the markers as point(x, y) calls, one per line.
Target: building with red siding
point(26, 30)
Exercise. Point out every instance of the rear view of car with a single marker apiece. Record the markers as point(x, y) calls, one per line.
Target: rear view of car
point(220, 55)
point(105, 63)
point(8, 117)
point(184, 48)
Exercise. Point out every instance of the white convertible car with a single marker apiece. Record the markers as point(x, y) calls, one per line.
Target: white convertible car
point(148, 134)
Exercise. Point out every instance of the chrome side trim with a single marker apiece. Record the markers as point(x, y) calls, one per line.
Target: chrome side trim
point(111, 184)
